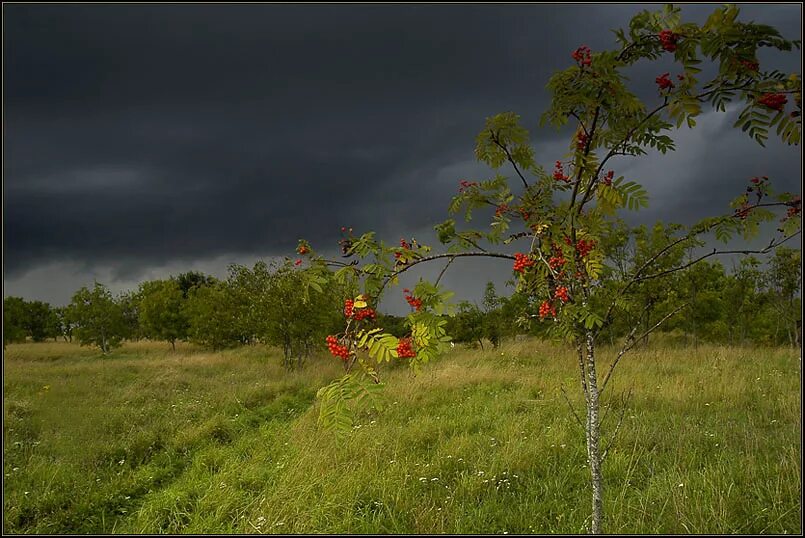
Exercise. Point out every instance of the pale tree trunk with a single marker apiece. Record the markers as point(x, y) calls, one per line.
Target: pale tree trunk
point(593, 435)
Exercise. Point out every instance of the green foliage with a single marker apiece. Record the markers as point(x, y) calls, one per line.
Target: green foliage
point(160, 311)
point(15, 314)
point(98, 318)
point(343, 398)
point(212, 316)
point(193, 279)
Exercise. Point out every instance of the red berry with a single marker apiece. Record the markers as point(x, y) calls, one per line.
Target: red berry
point(559, 173)
point(775, 101)
point(545, 309)
point(404, 349)
point(522, 262)
point(581, 141)
point(582, 55)
point(415, 303)
point(668, 40)
point(664, 82)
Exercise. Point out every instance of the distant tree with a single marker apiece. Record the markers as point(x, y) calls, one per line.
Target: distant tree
point(741, 298)
point(392, 324)
point(63, 323)
point(130, 307)
point(247, 288)
point(38, 321)
point(784, 280)
point(160, 311)
point(492, 323)
point(193, 279)
point(467, 325)
point(98, 318)
point(296, 324)
point(212, 316)
point(15, 314)
point(704, 283)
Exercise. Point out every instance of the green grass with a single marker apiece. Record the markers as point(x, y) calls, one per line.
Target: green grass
point(150, 441)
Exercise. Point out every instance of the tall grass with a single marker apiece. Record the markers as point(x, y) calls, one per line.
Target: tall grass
point(149, 441)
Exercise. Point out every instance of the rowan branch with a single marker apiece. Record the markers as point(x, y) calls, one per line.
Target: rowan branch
point(612, 152)
point(509, 157)
point(691, 235)
point(451, 260)
point(716, 252)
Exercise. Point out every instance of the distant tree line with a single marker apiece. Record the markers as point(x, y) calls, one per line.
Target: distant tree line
point(259, 304)
point(265, 303)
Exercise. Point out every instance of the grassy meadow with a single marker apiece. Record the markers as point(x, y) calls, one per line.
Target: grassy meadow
point(146, 440)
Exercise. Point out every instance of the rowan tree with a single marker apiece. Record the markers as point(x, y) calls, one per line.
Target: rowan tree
point(562, 217)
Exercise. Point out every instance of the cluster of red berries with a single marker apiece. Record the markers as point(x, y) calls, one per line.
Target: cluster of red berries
point(404, 244)
point(775, 101)
point(559, 173)
point(561, 294)
point(302, 249)
point(743, 211)
point(298, 262)
point(555, 262)
point(750, 65)
point(583, 247)
point(501, 209)
point(608, 178)
point(758, 185)
point(581, 140)
point(336, 349)
point(522, 262)
point(664, 82)
point(464, 185)
point(358, 314)
point(525, 214)
point(415, 303)
point(582, 55)
point(404, 349)
point(546, 309)
point(346, 243)
point(668, 40)
point(794, 207)
point(365, 313)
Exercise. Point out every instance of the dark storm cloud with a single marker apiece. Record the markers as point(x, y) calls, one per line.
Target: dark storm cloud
point(155, 135)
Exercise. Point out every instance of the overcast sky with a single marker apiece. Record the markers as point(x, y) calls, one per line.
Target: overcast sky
point(147, 140)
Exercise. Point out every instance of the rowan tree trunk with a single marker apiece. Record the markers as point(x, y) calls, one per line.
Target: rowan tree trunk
point(593, 437)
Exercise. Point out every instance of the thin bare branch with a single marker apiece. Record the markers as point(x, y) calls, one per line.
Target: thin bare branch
point(635, 278)
point(509, 157)
point(716, 252)
point(441, 273)
point(570, 405)
point(630, 342)
point(624, 402)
